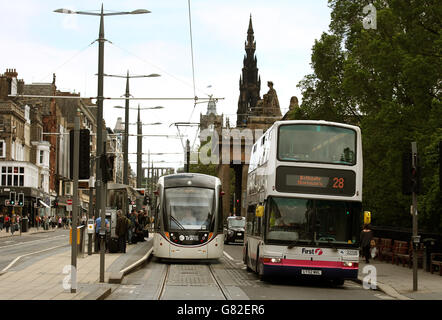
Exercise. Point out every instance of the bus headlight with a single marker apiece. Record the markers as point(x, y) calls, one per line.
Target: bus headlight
point(271, 260)
point(349, 264)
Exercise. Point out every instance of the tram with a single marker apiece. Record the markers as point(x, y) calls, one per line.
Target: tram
point(188, 217)
point(304, 201)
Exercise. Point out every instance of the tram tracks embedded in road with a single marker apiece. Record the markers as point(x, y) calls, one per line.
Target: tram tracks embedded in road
point(163, 283)
point(215, 281)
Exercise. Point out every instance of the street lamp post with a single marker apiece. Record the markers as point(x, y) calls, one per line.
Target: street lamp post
point(139, 150)
point(126, 127)
point(99, 185)
point(139, 135)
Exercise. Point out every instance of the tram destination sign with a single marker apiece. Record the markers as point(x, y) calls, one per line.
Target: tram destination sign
point(315, 181)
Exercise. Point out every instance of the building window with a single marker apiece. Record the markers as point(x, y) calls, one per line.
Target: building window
point(13, 176)
point(2, 149)
point(41, 156)
point(68, 188)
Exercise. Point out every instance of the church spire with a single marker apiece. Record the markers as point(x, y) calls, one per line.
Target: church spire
point(250, 44)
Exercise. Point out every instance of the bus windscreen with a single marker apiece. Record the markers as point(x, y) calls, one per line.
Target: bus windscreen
point(317, 143)
point(296, 220)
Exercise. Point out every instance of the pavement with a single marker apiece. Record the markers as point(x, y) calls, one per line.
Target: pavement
point(48, 278)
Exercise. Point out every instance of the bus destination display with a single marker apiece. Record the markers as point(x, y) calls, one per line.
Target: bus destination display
point(315, 181)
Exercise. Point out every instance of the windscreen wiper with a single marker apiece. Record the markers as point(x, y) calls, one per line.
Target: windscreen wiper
point(292, 244)
point(177, 222)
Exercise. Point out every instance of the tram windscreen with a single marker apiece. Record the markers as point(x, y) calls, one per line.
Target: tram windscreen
point(313, 221)
point(189, 208)
point(317, 143)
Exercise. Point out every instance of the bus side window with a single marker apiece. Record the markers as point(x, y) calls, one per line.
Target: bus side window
point(250, 219)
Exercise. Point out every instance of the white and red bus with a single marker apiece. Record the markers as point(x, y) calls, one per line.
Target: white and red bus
point(304, 201)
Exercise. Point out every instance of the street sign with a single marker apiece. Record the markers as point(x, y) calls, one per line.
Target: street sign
point(69, 207)
point(69, 201)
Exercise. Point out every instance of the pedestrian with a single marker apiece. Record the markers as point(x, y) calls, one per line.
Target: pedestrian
point(366, 237)
point(121, 231)
point(133, 225)
point(7, 223)
point(97, 232)
point(2, 219)
point(13, 224)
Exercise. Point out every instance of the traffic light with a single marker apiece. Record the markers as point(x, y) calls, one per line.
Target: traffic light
point(440, 165)
point(21, 199)
point(55, 203)
point(411, 177)
point(84, 154)
point(12, 197)
point(407, 184)
point(107, 167)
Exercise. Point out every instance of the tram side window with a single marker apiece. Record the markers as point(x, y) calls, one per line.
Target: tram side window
point(220, 215)
point(157, 216)
point(250, 219)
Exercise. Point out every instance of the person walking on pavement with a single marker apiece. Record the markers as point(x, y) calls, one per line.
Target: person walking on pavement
point(13, 224)
point(121, 231)
point(366, 238)
point(97, 232)
point(7, 223)
point(2, 220)
point(133, 225)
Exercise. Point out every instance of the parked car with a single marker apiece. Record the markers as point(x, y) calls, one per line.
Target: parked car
point(234, 229)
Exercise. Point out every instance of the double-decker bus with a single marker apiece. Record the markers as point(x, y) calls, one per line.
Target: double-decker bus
point(188, 217)
point(304, 201)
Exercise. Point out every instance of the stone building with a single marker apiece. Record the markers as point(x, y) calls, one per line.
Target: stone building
point(24, 155)
point(253, 113)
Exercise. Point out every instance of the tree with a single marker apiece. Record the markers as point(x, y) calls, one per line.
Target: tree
point(387, 81)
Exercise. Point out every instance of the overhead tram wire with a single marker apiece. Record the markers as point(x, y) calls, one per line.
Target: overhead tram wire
point(161, 70)
point(68, 60)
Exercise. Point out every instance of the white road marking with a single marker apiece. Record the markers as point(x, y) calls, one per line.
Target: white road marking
point(228, 256)
point(25, 255)
point(30, 242)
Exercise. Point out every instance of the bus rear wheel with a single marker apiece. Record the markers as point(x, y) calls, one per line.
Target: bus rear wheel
point(338, 282)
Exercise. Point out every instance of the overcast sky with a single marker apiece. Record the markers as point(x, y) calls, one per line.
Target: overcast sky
point(38, 42)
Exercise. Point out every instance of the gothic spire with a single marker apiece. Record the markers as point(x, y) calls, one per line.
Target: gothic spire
point(251, 44)
point(249, 81)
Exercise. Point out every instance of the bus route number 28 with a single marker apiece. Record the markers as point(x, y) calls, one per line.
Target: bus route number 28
point(338, 183)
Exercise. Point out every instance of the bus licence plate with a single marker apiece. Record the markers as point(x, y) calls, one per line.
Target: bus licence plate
point(311, 272)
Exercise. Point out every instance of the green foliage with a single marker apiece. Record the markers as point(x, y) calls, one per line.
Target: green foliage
point(388, 81)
